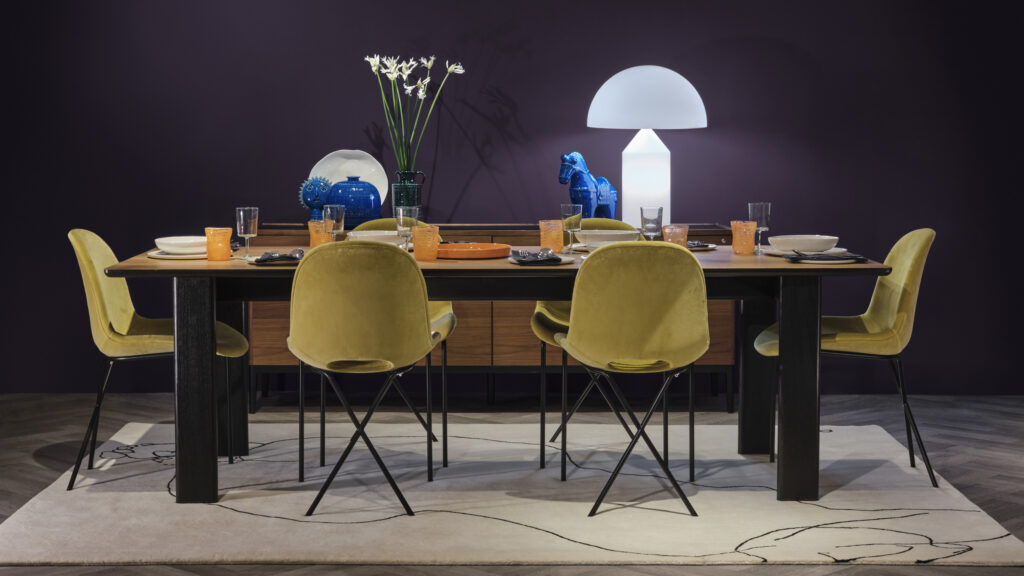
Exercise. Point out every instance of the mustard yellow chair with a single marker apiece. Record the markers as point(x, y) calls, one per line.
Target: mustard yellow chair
point(121, 334)
point(438, 312)
point(552, 316)
point(637, 307)
point(882, 332)
point(361, 307)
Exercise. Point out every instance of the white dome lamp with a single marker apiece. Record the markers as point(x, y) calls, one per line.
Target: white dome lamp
point(644, 98)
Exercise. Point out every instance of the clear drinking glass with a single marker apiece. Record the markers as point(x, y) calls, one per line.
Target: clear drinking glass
point(650, 218)
point(405, 219)
point(334, 219)
point(572, 215)
point(247, 218)
point(759, 212)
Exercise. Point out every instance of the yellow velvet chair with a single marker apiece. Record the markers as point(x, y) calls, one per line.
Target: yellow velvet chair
point(882, 332)
point(120, 333)
point(439, 312)
point(637, 307)
point(361, 307)
point(552, 316)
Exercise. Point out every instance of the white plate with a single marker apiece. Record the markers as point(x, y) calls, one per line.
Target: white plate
point(340, 164)
point(850, 261)
point(774, 252)
point(594, 239)
point(803, 242)
point(565, 260)
point(161, 255)
point(387, 236)
point(182, 244)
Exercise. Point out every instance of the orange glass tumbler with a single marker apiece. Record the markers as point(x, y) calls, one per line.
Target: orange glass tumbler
point(218, 244)
point(319, 232)
point(675, 233)
point(425, 240)
point(743, 236)
point(551, 235)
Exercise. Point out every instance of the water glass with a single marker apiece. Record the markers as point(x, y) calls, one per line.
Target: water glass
point(247, 222)
point(759, 212)
point(551, 235)
point(319, 233)
point(572, 215)
point(425, 241)
point(218, 244)
point(675, 233)
point(650, 218)
point(405, 220)
point(743, 236)
point(334, 219)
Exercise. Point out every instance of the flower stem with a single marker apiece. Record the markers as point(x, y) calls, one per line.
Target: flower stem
point(427, 119)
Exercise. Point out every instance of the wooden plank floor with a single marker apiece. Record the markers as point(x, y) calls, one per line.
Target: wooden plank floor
point(976, 443)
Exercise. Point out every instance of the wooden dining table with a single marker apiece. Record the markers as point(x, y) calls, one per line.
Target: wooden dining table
point(769, 289)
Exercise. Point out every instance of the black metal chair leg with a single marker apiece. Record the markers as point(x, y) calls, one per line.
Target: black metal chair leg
point(664, 423)
point(227, 408)
point(909, 415)
point(689, 371)
point(543, 398)
point(94, 421)
point(302, 423)
point(730, 397)
point(565, 386)
point(408, 402)
point(444, 404)
point(360, 432)
point(576, 406)
point(903, 405)
point(641, 433)
point(323, 420)
point(430, 423)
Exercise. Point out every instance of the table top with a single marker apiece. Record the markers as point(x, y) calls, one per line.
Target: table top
point(718, 262)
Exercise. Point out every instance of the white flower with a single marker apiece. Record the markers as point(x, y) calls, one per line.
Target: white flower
point(409, 89)
point(406, 68)
point(422, 86)
point(374, 62)
point(390, 67)
point(428, 64)
point(455, 68)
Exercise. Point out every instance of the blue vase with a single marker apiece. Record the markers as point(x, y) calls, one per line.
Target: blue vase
point(361, 200)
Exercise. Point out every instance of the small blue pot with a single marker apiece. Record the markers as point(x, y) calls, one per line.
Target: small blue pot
point(361, 200)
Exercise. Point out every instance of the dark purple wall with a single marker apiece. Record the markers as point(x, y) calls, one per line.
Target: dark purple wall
point(859, 119)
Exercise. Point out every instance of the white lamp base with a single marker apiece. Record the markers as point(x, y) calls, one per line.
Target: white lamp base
point(646, 177)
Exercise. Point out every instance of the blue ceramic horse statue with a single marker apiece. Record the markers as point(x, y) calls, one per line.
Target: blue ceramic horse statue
point(598, 197)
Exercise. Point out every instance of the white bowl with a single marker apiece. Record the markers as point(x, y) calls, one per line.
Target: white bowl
point(388, 236)
point(594, 239)
point(182, 244)
point(803, 242)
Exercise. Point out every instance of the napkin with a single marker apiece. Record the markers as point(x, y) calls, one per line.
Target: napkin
point(268, 258)
point(524, 258)
point(853, 258)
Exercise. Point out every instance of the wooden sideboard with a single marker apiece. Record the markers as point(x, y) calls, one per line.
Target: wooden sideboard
point(489, 334)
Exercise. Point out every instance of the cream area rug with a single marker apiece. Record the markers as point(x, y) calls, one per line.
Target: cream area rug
point(494, 505)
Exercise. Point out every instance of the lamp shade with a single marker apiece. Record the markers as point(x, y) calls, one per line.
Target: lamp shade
point(647, 97)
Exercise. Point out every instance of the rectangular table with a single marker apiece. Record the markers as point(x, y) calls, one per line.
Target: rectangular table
point(760, 282)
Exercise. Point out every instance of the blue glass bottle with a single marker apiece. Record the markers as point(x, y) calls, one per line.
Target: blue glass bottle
point(361, 200)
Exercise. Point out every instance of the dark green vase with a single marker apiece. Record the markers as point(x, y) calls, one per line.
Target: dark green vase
point(406, 192)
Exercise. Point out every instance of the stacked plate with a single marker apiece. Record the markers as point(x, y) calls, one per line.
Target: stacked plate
point(180, 248)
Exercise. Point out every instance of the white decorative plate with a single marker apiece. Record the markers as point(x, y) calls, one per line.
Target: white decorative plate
point(340, 164)
point(182, 244)
point(803, 242)
point(594, 239)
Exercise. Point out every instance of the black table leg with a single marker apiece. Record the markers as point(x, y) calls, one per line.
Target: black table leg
point(756, 373)
point(195, 434)
point(233, 314)
point(800, 340)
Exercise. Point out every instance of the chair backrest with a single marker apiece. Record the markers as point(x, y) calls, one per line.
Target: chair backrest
point(110, 304)
point(598, 224)
point(894, 301)
point(359, 307)
point(640, 307)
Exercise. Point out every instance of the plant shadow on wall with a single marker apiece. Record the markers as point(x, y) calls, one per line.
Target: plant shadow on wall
point(484, 135)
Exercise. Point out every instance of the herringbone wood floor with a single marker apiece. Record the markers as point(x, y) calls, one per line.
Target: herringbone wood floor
point(976, 443)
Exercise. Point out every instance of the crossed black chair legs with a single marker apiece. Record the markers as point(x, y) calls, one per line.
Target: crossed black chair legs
point(91, 431)
point(896, 363)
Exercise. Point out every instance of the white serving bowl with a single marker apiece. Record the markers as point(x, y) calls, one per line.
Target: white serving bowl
point(594, 239)
point(182, 244)
point(388, 236)
point(803, 242)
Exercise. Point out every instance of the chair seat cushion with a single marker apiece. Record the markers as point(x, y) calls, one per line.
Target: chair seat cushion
point(147, 336)
point(549, 318)
point(838, 334)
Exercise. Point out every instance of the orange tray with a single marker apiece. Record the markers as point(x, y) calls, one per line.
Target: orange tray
point(473, 250)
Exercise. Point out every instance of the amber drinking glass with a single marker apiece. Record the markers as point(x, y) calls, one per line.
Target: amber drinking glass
point(551, 235)
point(675, 233)
point(743, 236)
point(424, 243)
point(319, 232)
point(218, 244)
